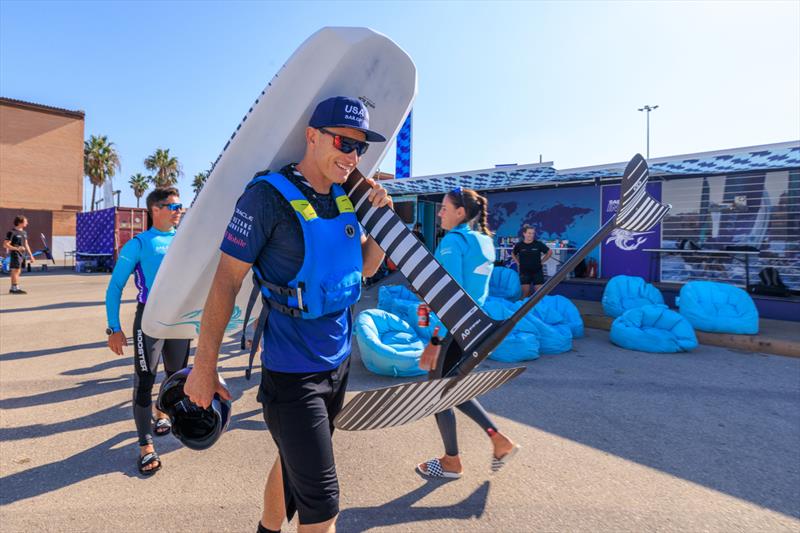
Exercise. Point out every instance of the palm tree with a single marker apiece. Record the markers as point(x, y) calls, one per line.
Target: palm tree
point(198, 182)
point(100, 161)
point(139, 183)
point(166, 169)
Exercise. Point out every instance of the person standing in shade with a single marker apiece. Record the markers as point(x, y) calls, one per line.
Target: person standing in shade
point(529, 255)
point(468, 256)
point(142, 256)
point(16, 244)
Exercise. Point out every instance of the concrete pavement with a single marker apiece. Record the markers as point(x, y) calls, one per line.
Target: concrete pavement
point(613, 440)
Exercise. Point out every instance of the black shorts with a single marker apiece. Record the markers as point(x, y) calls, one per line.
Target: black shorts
point(299, 410)
point(531, 277)
point(16, 261)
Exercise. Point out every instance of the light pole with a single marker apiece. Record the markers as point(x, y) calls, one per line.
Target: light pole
point(648, 108)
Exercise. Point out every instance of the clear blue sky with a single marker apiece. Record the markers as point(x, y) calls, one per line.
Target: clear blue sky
point(498, 82)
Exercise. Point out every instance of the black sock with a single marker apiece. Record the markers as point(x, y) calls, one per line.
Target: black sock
point(262, 529)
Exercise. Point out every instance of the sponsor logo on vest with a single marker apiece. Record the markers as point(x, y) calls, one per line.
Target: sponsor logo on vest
point(350, 231)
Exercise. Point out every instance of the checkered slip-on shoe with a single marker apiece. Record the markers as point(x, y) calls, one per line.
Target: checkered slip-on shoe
point(433, 468)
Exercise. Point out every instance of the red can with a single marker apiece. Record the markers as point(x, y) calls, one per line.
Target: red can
point(423, 315)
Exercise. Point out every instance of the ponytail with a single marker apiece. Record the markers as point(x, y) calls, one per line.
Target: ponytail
point(483, 216)
point(475, 206)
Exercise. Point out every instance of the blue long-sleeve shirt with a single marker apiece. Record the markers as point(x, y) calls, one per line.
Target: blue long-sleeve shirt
point(468, 256)
point(142, 257)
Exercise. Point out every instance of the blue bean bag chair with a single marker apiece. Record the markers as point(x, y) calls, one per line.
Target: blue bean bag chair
point(558, 311)
point(718, 308)
point(520, 344)
point(504, 283)
point(628, 292)
point(551, 340)
point(653, 328)
point(388, 345)
point(392, 297)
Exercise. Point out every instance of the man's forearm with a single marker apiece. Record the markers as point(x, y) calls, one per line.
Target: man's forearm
point(216, 314)
point(373, 257)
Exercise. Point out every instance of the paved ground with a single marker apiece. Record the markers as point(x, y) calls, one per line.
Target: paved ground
point(613, 441)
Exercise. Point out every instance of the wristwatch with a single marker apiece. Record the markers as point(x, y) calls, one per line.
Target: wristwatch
point(109, 331)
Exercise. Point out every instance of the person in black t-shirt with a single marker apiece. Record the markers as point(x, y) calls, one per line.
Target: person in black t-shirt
point(16, 244)
point(529, 255)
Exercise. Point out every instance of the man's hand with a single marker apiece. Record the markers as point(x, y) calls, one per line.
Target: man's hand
point(201, 386)
point(378, 195)
point(116, 341)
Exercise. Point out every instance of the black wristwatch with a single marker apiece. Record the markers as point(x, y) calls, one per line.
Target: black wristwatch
point(109, 331)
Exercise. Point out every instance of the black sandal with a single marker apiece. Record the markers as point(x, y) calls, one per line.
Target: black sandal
point(147, 460)
point(162, 427)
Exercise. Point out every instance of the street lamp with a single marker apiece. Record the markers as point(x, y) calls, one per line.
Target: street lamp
point(648, 109)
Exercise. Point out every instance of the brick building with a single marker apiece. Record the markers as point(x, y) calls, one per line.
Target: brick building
point(41, 171)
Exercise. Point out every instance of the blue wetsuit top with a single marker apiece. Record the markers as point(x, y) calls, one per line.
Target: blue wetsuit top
point(142, 257)
point(468, 256)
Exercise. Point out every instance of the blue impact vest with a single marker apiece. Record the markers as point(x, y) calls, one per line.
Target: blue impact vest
point(329, 281)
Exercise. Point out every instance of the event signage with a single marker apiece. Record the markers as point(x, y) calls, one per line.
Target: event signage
point(621, 252)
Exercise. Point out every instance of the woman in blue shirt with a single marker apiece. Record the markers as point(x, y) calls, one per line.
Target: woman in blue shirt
point(468, 255)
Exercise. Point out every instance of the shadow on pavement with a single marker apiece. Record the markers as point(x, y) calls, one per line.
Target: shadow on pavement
point(62, 305)
point(103, 458)
point(13, 356)
point(734, 435)
point(401, 510)
point(84, 389)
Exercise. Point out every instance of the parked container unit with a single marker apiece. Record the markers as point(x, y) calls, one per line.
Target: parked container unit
point(101, 234)
point(130, 221)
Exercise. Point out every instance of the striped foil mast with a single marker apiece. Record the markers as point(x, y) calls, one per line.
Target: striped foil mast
point(402, 168)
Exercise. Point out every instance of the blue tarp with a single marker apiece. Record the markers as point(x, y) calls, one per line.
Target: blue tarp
point(388, 345)
point(628, 292)
point(718, 307)
point(653, 328)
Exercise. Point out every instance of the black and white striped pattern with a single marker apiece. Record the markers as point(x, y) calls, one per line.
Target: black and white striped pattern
point(408, 402)
point(458, 312)
point(638, 211)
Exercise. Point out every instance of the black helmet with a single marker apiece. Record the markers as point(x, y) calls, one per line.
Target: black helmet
point(195, 427)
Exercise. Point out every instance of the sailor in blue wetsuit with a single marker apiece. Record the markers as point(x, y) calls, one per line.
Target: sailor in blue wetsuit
point(468, 255)
point(142, 256)
point(297, 230)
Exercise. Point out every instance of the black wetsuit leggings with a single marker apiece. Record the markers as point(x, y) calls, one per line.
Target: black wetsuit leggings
point(147, 352)
point(446, 420)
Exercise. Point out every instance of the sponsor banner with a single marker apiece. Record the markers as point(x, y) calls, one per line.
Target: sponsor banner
point(621, 252)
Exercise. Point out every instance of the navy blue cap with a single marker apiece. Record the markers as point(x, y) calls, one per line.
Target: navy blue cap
point(344, 112)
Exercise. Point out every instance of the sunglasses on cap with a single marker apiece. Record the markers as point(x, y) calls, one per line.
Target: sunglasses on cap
point(346, 144)
point(172, 207)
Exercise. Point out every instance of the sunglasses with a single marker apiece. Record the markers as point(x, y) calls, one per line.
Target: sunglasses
point(346, 144)
point(172, 207)
point(459, 192)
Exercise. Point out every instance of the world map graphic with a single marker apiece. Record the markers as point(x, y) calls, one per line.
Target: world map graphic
point(551, 222)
